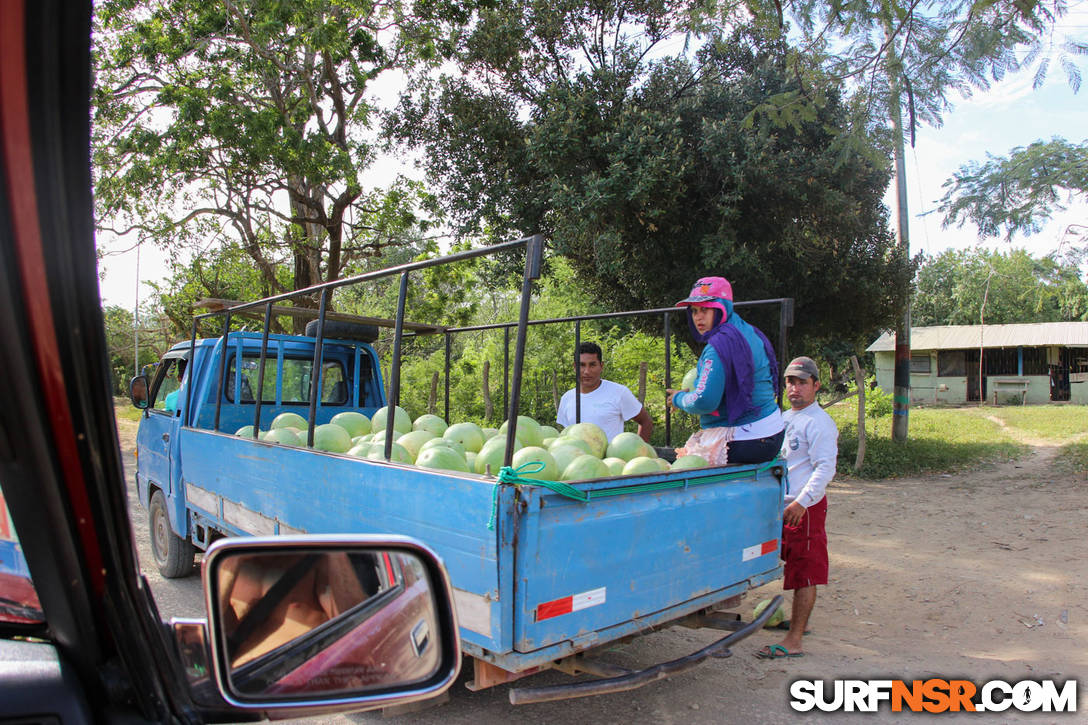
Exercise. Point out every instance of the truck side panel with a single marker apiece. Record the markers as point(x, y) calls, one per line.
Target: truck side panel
point(250, 487)
point(586, 567)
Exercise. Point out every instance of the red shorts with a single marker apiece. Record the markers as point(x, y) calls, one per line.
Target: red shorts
point(804, 549)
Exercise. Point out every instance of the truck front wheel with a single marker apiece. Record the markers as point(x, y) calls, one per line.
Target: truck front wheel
point(173, 554)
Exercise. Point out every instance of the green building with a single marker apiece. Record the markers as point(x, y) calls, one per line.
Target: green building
point(1038, 362)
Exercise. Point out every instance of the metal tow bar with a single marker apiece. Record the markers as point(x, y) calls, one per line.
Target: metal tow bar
point(633, 680)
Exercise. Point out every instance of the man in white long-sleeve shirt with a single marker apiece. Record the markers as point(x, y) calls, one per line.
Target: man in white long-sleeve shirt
point(811, 448)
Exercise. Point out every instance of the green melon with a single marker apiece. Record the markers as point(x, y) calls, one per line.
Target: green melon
point(402, 422)
point(289, 420)
point(615, 466)
point(686, 462)
point(399, 453)
point(493, 454)
point(641, 465)
point(442, 458)
point(284, 436)
point(536, 454)
point(446, 442)
point(414, 441)
point(356, 424)
point(528, 430)
point(688, 383)
point(592, 434)
point(332, 438)
point(468, 435)
point(777, 618)
point(585, 467)
point(564, 453)
point(627, 446)
point(431, 423)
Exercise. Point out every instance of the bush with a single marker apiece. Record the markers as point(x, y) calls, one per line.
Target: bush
point(878, 403)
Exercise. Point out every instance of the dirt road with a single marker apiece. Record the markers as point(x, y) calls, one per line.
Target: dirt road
point(978, 575)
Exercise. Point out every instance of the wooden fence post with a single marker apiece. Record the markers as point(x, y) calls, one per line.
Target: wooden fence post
point(859, 379)
point(432, 401)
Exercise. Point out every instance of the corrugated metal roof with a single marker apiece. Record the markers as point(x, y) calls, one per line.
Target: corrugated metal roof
point(958, 337)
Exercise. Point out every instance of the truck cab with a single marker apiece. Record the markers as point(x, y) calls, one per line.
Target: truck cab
point(182, 390)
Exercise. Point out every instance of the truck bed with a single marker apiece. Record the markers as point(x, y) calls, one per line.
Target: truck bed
point(537, 575)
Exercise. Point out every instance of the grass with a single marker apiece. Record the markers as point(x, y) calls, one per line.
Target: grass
point(1073, 458)
point(1049, 422)
point(124, 410)
point(940, 440)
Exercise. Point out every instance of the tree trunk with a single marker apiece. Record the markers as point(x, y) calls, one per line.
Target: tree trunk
point(432, 401)
point(859, 379)
point(555, 391)
point(642, 382)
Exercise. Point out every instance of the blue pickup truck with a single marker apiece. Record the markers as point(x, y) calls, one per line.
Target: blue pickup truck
point(541, 577)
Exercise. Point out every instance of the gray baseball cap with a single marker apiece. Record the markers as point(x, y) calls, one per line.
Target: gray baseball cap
point(802, 367)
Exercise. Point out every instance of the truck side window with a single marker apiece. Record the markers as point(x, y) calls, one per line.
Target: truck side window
point(333, 385)
point(169, 379)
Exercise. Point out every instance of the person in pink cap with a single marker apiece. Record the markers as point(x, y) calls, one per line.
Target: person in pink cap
point(736, 384)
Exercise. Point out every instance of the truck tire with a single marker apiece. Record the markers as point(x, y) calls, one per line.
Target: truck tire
point(173, 555)
point(336, 330)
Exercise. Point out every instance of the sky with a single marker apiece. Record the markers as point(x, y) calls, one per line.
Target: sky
point(1008, 115)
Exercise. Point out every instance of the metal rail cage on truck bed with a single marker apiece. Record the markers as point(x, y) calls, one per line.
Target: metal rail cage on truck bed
point(543, 572)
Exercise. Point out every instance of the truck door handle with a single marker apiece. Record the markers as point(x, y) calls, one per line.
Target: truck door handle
point(165, 437)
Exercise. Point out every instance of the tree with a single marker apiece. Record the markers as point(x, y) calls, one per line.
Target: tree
point(649, 174)
point(951, 288)
point(1019, 192)
point(124, 342)
point(249, 124)
point(925, 49)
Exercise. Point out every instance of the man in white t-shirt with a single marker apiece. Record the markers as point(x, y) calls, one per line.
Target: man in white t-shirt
point(811, 449)
point(604, 402)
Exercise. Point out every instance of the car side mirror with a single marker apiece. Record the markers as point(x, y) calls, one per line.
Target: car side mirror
point(137, 392)
point(297, 622)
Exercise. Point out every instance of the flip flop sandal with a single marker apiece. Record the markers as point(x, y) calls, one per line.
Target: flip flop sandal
point(775, 652)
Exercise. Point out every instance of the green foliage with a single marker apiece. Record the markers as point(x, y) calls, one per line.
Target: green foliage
point(926, 49)
point(1017, 193)
point(648, 175)
point(548, 368)
point(878, 403)
point(123, 340)
point(941, 441)
point(218, 124)
point(951, 287)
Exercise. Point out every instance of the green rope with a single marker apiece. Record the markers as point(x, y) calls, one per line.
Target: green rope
point(512, 476)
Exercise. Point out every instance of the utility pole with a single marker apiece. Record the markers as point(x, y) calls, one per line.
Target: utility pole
point(136, 320)
point(901, 390)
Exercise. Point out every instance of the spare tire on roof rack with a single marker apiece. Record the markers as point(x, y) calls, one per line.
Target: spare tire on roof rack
point(337, 330)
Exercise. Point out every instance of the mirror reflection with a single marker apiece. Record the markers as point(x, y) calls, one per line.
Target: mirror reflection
point(324, 621)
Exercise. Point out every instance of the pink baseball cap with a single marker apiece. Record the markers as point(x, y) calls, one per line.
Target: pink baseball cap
point(708, 289)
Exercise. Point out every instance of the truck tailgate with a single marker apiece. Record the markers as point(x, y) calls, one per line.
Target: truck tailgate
point(630, 561)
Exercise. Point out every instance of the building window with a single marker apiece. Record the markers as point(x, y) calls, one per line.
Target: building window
point(1035, 361)
point(951, 363)
point(1000, 361)
point(920, 364)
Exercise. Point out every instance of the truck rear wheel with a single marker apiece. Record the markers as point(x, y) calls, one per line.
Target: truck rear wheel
point(173, 554)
